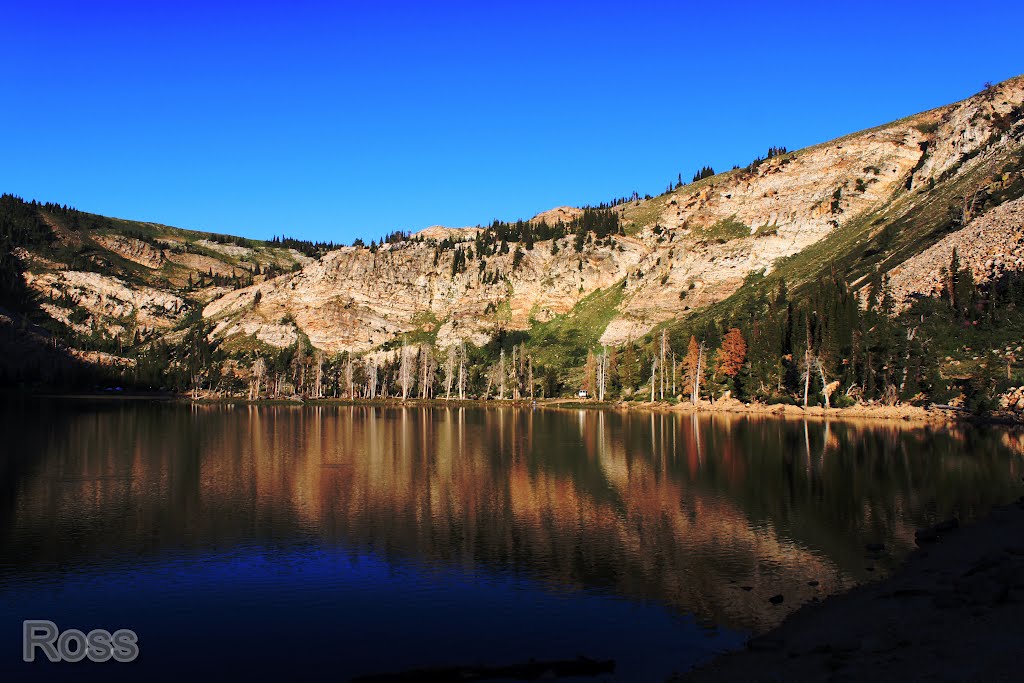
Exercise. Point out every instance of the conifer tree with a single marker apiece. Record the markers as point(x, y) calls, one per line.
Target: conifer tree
point(732, 354)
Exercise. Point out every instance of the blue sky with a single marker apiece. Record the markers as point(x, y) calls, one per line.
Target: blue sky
point(334, 121)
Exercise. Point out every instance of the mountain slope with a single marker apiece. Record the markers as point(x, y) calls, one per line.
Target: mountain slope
point(685, 250)
point(860, 207)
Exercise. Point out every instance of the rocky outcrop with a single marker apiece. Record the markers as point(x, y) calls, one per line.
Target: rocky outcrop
point(989, 245)
point(135, 250)
point(107, 298)
point(440, 232)
point(1012, 399)
point(559, 214)
point(679, 253)
point(356, 299)
point(683, 250)
point(790, 202)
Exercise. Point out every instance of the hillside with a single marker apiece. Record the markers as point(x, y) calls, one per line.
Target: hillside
point(698, 242)
point(882, 207)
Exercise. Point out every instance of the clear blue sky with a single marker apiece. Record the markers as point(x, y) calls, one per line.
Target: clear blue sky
point(332, 121)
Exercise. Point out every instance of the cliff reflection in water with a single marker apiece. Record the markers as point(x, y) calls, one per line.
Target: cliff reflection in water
point(678, 509)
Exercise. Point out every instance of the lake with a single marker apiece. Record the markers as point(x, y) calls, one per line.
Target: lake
point(326, 542)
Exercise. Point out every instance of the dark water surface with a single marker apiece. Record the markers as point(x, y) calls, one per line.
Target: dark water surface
point(319, 543)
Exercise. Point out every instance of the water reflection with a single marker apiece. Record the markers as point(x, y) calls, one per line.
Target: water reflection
point(704, 514)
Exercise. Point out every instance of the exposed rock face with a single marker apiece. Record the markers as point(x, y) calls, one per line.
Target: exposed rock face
point(133, 249)
point(109, 297)
point(686, 249)
point(790, 202)
point(355, 299)
point(559, 214)
point(440, 232)
point(989, 245)
point(682, 251)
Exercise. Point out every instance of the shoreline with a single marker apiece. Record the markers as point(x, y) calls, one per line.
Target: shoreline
point(901, 413)
point(952, 611)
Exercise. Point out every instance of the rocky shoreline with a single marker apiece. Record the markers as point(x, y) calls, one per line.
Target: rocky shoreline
point(953, 612)
point(934, 414)
point(870, 411)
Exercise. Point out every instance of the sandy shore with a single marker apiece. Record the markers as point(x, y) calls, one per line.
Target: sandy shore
point(953, 612)
point(907, 413)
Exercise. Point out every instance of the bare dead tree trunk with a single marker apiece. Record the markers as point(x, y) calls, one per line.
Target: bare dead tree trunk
point(449, 371)
point(501, 375)
point(427, 368)
point(664, 343)
point(259, 369)
point(318, 381)
point(404, 372)
point(654, 376)
point(462, 371)
point(515, 373)
point(695, 396)
point(371, 378)
point(529, 373)
point(808, 364)
point(825, 391)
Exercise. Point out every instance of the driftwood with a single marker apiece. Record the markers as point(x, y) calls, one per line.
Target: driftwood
point(528, 671)
point(942, 406)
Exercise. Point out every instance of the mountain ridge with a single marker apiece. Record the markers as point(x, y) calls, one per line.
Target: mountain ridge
point(862, 205)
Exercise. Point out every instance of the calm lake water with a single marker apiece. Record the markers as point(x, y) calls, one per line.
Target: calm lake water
point(328, 542)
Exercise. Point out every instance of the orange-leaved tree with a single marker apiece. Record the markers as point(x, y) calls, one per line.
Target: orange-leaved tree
point(732, 354)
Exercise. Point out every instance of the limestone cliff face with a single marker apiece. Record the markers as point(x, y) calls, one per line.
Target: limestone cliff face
point(681, 251)
point(685, 250)
point(126, 279)
point(108, 298)
point(790, 202)
point(134, 250)
point(357, 299)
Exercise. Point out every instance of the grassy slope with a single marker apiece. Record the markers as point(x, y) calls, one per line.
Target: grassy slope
point(80, 242)
point(564, 340)
point(76, 247)
point(909, 223)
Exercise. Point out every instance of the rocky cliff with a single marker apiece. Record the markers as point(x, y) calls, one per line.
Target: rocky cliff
point(895, 199)
point(682, 250)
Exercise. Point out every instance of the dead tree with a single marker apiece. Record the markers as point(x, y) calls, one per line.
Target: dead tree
point(428, 367)
point(449, 370)
point(529, 374)
point(654, 376)
point(827, 388)
point(661, 365)
point(501, 375)
point(405, 372)
point(695, 391)
point(348, 378)
point(371, 378)
point(259, 370)
point(462, 371)
point(808, 366)
point(318, 379)
point(515, 373)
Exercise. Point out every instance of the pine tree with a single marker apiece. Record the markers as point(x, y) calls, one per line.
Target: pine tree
point(629, 369)
point(590, 374)
point(732, 354)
